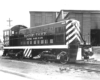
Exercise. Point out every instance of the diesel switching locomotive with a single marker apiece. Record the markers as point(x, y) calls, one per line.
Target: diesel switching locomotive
point(59, 41)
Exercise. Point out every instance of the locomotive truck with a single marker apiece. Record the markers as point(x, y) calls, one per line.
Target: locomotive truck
point(59, 41)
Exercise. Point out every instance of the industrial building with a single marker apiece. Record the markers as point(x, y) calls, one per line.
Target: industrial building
point(89, 21)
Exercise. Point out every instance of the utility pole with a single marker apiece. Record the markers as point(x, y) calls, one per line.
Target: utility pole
point(9, 22)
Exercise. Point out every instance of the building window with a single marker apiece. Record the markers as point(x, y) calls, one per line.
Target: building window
point(44, 33)
point(7, 43)
point(51, 40)
point(60, 38)
point(34, 41)
point(38, 41)
point(7, 32)
point(30, 42)
point(3, 33)
point(38, 34)
point(42, 41)
point(41, 33)
point(6, 38)
point(12, 32)
point(27, 42)
point(46, 41)
point(21, 43)
point(16, 32)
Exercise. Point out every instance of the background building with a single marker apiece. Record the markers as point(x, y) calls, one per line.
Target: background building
point(89, 20)
point(40, 18)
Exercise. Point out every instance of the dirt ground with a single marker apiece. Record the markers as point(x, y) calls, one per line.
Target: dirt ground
point(36, 70)
point(46, 70)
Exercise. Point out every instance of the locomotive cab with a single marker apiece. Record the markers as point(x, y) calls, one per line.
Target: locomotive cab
point(15, 35)
point(6, 35)
point(12, 38)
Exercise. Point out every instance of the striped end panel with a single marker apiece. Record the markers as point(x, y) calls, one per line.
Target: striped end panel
point(72, 31)
point(27, 53)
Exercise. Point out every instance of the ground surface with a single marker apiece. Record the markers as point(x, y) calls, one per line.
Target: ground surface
point(13, 69)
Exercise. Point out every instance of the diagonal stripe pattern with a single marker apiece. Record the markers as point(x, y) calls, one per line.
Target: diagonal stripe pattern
point(27, 53)
point(72, 31)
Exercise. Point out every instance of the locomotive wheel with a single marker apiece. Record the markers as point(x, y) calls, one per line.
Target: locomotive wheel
point(19, 55)
point(31, 57)
point(43, 57)
point(64, 58)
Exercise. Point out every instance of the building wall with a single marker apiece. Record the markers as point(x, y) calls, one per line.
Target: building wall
point(41, 18)
point(95, 21)
point(86, 27)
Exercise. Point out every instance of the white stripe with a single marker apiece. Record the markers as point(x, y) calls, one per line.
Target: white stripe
point(78, 25)
point(73, 39)
point(73, 27)
point(39, 47)
point(68, 21)
point(77, 32)
point(78, 28)
point(70, 35)
point(70, 40)
point(79, 54)
point(78, 38)
point(69, 25)
point(81, 42)
point(27, 52)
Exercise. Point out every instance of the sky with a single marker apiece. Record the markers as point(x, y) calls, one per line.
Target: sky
point(18, 10)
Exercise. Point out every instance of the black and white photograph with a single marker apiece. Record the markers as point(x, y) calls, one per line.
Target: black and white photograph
point(49, 40)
